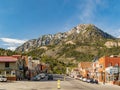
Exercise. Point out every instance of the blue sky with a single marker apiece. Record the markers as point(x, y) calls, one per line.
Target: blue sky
point(21, 20)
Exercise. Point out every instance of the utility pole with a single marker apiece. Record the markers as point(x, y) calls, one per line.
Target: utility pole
point(118, 72)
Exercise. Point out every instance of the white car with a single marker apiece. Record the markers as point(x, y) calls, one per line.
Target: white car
point(3, 78)
point(84, 79)
point(88, 80)
point(80, 78)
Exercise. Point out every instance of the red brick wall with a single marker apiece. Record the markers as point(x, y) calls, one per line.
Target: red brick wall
point(11, 78)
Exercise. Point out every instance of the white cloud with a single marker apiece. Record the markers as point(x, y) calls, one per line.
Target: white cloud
point(88, 8)
point(11, 43)
point(10, 40)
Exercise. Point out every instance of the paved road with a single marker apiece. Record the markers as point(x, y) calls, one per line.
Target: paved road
point(79, 85)
point(68, 84)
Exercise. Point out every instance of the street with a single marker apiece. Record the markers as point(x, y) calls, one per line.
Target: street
point(68, 84)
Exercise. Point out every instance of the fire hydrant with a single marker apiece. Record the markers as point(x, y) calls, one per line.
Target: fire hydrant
point(58, 84)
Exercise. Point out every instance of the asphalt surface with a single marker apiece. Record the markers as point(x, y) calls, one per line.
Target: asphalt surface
point(64, 84)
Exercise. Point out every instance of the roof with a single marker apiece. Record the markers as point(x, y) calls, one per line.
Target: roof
point(7, 59)
point(16, 56)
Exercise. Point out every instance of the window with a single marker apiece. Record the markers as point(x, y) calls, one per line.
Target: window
point(101, 66)
point(7, 72)
point(12, 72)
point(116, 65)
point(7, 64)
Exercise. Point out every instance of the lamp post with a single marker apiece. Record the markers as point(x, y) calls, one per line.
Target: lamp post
point(118, 72)
point(103, 77)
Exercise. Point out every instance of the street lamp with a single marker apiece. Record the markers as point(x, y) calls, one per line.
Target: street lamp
point(103, 77)
point(118, 72)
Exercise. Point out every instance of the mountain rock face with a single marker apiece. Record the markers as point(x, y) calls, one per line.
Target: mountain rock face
point(110, 44)
point(81, 34)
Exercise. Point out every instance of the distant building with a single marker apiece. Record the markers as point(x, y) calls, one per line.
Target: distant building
point(35, 67)
point(22, 67)
point(85, 68)
point(74, 72)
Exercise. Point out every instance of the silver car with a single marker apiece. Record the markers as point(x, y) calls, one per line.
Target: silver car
point(3, 78)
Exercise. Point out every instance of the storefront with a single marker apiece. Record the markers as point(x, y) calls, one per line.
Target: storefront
point(112, 74)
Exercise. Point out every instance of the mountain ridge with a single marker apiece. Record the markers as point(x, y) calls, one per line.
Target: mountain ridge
point(82, 33)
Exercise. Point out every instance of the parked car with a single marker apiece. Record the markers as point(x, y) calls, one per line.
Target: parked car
point(84, 79)
point(50, 77)
point(93, 81)
point(96, 81)
point(90, 80)
point(43, 75)
point(3, 78)
point(36, 78)
point(78, 77)
point(81, 78)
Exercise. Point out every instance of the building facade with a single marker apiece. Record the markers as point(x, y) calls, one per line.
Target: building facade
point(8, 67)
point(85, 69)
point(108, 69)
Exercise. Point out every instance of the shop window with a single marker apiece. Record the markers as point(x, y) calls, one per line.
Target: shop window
point(7, 64)
point(7, 72)
point(101, 66)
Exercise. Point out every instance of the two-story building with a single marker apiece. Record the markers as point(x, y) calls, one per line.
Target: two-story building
point(8, 67)
point(35, 67)
point(109, 69)
point(85, 69)
point(22, 67)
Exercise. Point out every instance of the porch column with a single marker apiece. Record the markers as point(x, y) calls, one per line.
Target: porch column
point(5, 73)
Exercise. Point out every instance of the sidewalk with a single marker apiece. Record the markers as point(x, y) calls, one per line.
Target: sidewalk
point(108, 84)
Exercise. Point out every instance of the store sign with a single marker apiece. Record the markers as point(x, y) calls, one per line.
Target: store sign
point(112, 70)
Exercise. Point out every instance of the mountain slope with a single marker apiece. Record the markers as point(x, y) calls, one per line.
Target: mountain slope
point(81, 34)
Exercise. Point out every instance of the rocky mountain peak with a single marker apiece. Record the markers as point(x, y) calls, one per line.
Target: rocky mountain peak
point(84, 26)
point(79, 33)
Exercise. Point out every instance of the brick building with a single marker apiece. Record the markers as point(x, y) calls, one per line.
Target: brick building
point(109, 69)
